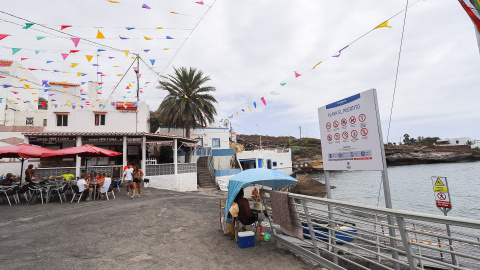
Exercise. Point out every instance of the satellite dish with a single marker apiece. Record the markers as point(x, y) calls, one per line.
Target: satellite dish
point(226, 122)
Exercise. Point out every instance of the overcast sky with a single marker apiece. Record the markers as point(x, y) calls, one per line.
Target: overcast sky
point(249, 47)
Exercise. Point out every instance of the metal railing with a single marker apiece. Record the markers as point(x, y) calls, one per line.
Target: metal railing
point(355, 236)
point(169, 168)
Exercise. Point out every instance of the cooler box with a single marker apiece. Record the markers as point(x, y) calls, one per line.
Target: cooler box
point(246, 239)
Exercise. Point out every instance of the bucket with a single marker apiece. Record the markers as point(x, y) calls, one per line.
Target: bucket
point(246, 239)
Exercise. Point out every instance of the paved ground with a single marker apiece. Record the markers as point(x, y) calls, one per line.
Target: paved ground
point(162, 229)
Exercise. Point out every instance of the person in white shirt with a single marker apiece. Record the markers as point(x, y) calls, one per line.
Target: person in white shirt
point(82, 185)
point(128, 178)
point(105, 186)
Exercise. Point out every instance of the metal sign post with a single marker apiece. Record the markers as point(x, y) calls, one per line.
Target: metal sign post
point(442, 199)
point(351, 135)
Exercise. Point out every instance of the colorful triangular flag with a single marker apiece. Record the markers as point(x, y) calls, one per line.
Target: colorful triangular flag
point(100, 35)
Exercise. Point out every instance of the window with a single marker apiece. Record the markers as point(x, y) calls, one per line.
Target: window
point(274, 164)
point(29, 121)
point(99, 119)
point(62, 120)
point(269, 163)
point(216, 142)
point(44, 122)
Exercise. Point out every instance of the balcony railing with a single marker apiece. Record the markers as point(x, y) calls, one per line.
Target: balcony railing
point(169, 168)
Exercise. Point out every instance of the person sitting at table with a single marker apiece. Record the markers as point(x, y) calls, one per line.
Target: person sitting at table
point(83, 174)
point(100, 180)
point(82, 185)
point(29, 173)
point(67, 176)
point(9, 179)
point(245, 214)
point(255, 194)
point(105, 186)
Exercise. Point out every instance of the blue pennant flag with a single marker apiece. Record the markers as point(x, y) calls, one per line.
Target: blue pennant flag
point(49, 62)
point(130, 28)
point(152, 61)
point(101, 50)
point(255, 104)
point(169, 37)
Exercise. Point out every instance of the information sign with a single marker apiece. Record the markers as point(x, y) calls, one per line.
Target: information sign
point(440, 190)
point(354, 124)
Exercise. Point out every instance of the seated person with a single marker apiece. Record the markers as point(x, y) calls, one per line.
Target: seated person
point(67, 176)
point(82, 185)
point(10, 179)
point(245, 214)
point(255, 194)
point(29, 172)
point(105, 186)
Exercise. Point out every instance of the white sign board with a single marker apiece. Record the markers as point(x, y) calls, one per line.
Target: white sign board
point(351, 134)
point(440, 190)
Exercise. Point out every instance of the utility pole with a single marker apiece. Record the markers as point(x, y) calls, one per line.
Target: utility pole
point(137, 71)
point(300, 131)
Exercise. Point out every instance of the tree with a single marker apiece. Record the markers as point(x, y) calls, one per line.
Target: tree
point(406, 138)
point(188, 103)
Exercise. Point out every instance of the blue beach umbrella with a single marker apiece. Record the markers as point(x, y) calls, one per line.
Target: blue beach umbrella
point(261, 176)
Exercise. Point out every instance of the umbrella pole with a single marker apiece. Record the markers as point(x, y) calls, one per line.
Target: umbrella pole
point(21, 170)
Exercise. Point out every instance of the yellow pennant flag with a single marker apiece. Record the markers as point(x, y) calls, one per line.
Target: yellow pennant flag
point(249, 108)
point(79, 74)
point(237, 113)
point(89, 57)
point(173, 12)
point(68, 101)
point(64, 72)
point(384, 24)
point(158, 27)
point(21, 80)
point(133, 57)
point(147, 38)
point(34, 93)
point(100, 35)
point(185, 96)
point(64, 90)
point(115, 2)
point(35, 100)
point(118, 75)
point(27, 86)
point(317, 64)
point(69, 106)
point(73, 65)
point(126, 52)
point(116, 66)
point(166, 49)
point(21, 67)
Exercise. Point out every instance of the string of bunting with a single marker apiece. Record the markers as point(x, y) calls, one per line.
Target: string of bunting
point(297, 74)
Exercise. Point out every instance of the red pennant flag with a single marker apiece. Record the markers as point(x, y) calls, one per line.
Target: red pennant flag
point(65, 26)
point(74, 51)
point(43, 104)
point(21, 59)
point(100, 83)
point(32, 69)
point(263, 100)
point(3, 36)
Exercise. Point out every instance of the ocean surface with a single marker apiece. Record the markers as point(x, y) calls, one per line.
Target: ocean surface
point(411, 187)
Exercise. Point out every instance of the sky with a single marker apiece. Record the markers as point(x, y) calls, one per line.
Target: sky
point(248, 48)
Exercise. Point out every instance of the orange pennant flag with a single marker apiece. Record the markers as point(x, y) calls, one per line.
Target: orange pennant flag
point(126, 52)
point(100, 35)
point(73, 65)
point(147, 38)
point(89, 57)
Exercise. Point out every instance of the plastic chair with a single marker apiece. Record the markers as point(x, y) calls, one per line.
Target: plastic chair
point(22, 190)
point(6, 192)
point(35, 191)
point(110, 190)
point(76, 192)
point(60, 191)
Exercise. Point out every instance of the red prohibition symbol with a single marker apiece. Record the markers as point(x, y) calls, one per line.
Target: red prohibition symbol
point(441, 196)
point(337, 136)
point(335, 124)
point(362, 117)
point(329, 125)
point(344, 122)
point(329, 137)
point(354, 133)
point(364, 131)
point(352, 120)
point(345, 135)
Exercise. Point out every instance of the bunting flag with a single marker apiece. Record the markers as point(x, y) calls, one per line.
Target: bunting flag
point(21, 59)
point(114, 2)
point(40, 38)
point(65, 27)
point(237, 113)
point(384, 24)
point(122, 37)
point(79, 74)
point(340, 52)
point(73, 65)
point(130, 28)
point(28, 25)
point(100, 35)
point(157, 28)
point(65, 55)
point(147, 38)
point(297, 74)
point(74, 51)
point(126, 52)
point(283, 84)
point(249, 108)
point(27, 86)
point(48, 62)
point(317, 65)
point(75, 41)
point(37, 51)
point(169, 37)
point(15, 50)
point(44, 82)
point(255, 105)
point(152, 61)
point(89, 57)
point(145, 6)
point(200, 2)
point(3, 36)
point(263, 100)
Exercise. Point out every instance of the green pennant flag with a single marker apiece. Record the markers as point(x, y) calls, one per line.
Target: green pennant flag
point(28, 25)
point(40, 38)
point(37, 51)
point(15, 50)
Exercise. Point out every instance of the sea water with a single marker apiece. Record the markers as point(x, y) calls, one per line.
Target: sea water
point(411, 187)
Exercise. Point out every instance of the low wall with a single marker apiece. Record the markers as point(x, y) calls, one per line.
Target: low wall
point(179, 182)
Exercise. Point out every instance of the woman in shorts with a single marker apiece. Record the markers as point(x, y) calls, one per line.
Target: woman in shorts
point(137, 180)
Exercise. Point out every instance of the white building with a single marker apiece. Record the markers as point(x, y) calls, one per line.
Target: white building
point(459, 141)
point(19, 95)
point(277, 159)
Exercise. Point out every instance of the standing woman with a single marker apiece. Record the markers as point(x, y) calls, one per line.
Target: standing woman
point(137, 180)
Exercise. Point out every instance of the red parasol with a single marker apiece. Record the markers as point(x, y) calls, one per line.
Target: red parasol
point(23, 151)
point(87, 150)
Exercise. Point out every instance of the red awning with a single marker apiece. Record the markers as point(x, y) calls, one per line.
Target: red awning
point(23, 150)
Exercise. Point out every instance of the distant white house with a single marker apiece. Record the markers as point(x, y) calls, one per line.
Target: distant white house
point(459, 141)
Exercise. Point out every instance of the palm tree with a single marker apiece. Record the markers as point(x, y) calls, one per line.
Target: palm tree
point(188, 103)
